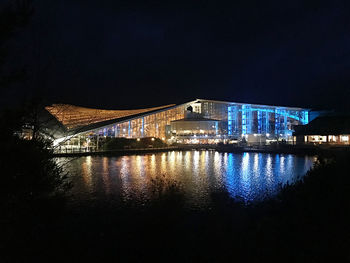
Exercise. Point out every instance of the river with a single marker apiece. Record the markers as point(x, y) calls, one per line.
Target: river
point(247, 177)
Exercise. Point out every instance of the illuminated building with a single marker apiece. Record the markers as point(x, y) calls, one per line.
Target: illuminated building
point(202, 121)
point(194, 128)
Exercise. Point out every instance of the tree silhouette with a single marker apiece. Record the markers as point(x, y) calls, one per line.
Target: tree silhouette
point(33, 186)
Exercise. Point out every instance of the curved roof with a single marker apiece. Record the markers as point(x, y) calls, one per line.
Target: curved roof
point(73, 117)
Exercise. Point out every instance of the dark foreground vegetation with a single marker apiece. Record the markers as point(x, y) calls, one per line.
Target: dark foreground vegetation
point(110, 144)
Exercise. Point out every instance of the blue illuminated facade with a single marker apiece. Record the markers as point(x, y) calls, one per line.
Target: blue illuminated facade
point(272, 121)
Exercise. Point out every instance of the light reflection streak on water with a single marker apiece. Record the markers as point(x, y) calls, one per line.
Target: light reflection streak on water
point(194, 177)
point(188, 160)
point(153, 163)
point(288, 166)
point(195, 162)
point(138, 165)
point(256, 163)
point(106, 175)
point(203, 162)
point(230, 174)
point(248, 176)
point(282, 171)
point(163, 164)
point(86, 172)
point(256, 176)
point(268, 167)
point(217, 165)
point(172, 161)
point(275, 161)
point(139, 181)
point(268, 170)
point(125, 176)
point(225, 159)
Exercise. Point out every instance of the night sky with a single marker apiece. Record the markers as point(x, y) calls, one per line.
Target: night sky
point(125, 54)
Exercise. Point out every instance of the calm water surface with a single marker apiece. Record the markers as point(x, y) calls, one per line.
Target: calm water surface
point(245, 176)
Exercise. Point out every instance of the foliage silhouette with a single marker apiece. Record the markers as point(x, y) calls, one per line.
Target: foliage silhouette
point(111, 144)
point(33, 189)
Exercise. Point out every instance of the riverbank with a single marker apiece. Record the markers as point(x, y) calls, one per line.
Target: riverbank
point(273, 149)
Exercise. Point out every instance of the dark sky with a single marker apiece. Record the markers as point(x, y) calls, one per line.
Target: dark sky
point(125, 54)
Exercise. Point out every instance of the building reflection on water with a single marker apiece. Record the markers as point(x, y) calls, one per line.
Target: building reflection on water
point(106, 175)
point(247, 176)
point(86, 172)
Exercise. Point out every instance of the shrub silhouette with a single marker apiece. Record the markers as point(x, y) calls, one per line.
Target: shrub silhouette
point(33, 187)
point(111, 144)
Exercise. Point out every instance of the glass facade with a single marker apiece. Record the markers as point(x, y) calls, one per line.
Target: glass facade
point(148, 125)
point(267, 120)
